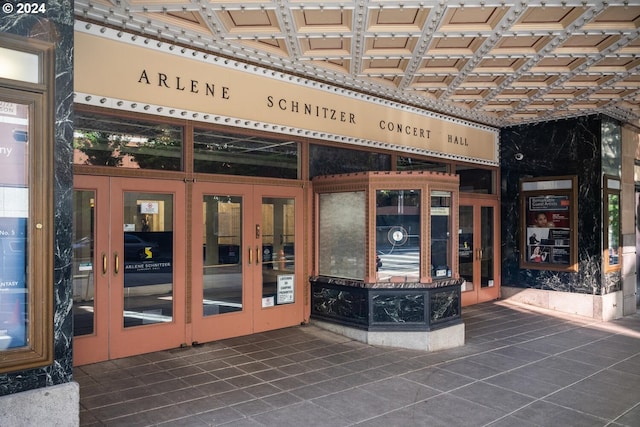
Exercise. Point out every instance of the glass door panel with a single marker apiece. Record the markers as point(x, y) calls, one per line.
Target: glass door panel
point(477, 252)
point(147, 253)
point(486, 247)
point(466, 253)
point(90, 243)
point(278, 251)
point(221, 253)
point(126, 256)
point(148, 258)
point(83, 274)
point(244, 276)
point(223, 257)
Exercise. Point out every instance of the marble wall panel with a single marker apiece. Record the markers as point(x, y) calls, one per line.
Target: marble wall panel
point(56, 26)
point(557, 148)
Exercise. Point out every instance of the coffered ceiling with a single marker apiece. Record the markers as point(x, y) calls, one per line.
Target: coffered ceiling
point(498, 63)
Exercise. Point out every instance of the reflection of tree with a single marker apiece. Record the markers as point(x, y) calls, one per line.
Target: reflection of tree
point(160, 153)
point(109, 149)
point(101, 148)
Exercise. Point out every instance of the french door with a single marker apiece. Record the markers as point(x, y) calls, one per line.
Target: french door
point(479, 249)
point(247, 263)
point(129, 267)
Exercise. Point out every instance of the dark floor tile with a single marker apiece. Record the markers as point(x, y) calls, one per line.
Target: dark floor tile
point(280, 400)
point(368, 405)
point(438, 379)
point(608, 409)
point(220, 416)
point(548, 414)
point(470, 369)
point(540, 371)
point(448, 410)
point(400, 390)
point(302, 414)
point(523, 385)
point(493, 396)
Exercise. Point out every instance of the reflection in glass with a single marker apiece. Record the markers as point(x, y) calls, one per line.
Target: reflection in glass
point(342, 233)
point(614, 228)
point(327, 160)
point(83, 262)
point(441, 234)
point(476, 180)
point(14, 216)
point(234, 154)
point(465, 247)
point(278, 250)
point(414, 164)
point(398, 234)
point(486, 246)
point(222, 266)
point(148, 258)
point(110, 141)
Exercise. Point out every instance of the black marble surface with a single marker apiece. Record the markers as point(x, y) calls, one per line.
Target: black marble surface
point(56, 26)
point(557, 148)
point(392, 308)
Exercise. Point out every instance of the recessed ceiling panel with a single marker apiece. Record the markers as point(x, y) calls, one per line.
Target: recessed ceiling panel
point(495, 61)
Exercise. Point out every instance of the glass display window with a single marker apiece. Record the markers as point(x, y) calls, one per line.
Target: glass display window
point(26, 204)
point(387, 227)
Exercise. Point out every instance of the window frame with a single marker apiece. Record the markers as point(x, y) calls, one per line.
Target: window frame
point(559, 188)
point(39, 97)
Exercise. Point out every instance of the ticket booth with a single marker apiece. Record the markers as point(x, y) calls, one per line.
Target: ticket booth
point(386, 264)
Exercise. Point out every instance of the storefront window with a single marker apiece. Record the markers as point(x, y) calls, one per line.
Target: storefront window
point(398, 234)
point(326, 160)
point(234, 154)
point(475, 180)
point(441, 203)
point(126, 143)
point(413, 164)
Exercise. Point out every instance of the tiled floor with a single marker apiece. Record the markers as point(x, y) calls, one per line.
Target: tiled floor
point(519, 367)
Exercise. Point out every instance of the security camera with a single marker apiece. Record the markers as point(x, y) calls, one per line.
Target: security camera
point(519, 156)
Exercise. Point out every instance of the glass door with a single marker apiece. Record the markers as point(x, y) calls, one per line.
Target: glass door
point(245, 277)
point(128, 254)
point(223, 256)
point(279, 303)
point(478, 251)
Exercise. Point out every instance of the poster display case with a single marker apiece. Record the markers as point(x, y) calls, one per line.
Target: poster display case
point(26, 208)
point(548, 223)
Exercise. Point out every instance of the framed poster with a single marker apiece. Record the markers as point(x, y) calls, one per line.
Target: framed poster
point(548, 221)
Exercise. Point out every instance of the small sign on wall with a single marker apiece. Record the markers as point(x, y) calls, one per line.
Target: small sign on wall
point(149, 207)
point(286, 287)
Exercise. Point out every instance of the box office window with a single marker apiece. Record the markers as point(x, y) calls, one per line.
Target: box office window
point(26, 203)
point(103, 140)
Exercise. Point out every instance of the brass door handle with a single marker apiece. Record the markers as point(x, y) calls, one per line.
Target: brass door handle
point(257, 256)
point(250, 256)
point(105, 266)
point(116, 263)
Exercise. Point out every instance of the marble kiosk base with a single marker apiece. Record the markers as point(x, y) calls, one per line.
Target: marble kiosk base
point(438, 339)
